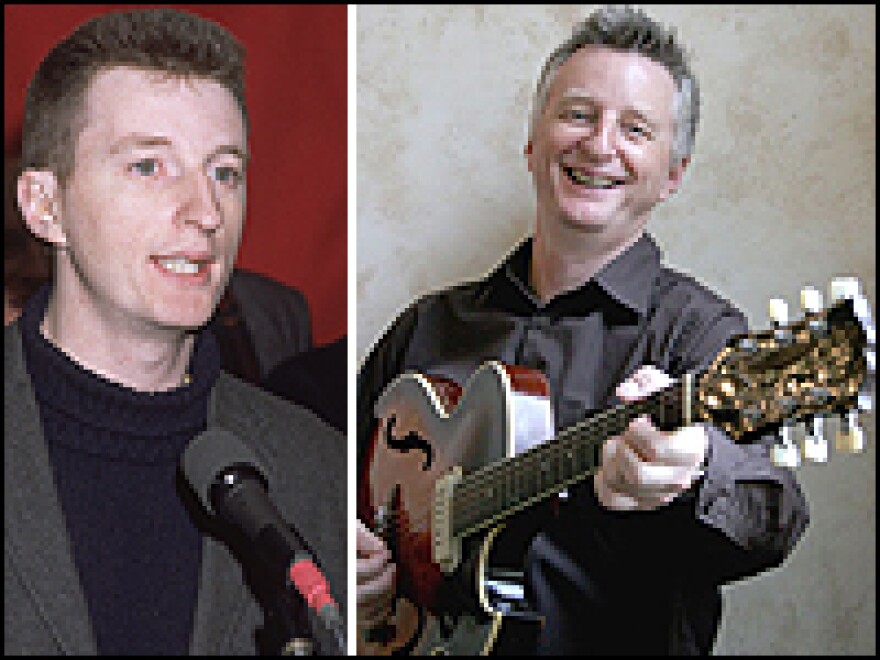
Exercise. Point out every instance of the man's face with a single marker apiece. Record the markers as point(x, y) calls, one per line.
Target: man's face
point(600, 151)
point(153, 212)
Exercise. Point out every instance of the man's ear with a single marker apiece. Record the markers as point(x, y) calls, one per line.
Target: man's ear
point(38, 199)
point(676, 174)
point(527, 152)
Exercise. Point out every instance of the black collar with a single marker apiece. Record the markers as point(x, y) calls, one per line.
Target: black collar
point(626, 282)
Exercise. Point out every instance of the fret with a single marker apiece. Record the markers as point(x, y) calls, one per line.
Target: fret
point(505, 488)
point(559, 462)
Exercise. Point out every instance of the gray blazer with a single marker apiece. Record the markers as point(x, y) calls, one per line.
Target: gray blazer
point(45, 610)
point(276, 316)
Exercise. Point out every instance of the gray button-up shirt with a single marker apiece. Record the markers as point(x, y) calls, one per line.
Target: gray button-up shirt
point(634, 582)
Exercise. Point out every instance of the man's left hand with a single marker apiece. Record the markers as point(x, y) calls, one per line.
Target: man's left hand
point(645, 468)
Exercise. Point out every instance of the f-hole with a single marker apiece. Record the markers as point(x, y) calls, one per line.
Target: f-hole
point(411, 440)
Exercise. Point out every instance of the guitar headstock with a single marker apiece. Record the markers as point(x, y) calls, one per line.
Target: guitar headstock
point(819, 366)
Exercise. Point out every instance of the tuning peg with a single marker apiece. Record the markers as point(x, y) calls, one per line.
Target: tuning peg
point(850, 436)
point(778, 311)
point(817, 427)
point(811, 303)
point(785, 453)
point(815, 445)
point(842, 288)
point(811, 300)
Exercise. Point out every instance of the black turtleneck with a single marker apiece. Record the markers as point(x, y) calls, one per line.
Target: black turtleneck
point(115, 452)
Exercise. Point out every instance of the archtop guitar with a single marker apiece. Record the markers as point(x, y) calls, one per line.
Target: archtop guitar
point(448, 466)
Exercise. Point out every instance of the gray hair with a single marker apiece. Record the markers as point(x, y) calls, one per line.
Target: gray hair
point(629, 30)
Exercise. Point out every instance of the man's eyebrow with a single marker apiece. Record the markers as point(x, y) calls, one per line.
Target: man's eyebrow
point(243, 155)
point(141, 140)
point(575, 95)
point(138, 140)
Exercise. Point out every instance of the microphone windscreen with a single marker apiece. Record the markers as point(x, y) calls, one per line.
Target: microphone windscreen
point(210, 453)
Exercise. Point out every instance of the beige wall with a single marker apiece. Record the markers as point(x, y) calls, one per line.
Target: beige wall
point(781, 193)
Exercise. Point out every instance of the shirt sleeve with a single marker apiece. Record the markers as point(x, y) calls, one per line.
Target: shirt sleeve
point(743, 517)
point(746, 514)
point(755, 505)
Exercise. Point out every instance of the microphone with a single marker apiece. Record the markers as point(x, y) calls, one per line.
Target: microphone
point(230, 483)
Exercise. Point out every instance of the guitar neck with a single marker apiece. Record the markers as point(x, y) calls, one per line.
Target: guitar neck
point(487, 496)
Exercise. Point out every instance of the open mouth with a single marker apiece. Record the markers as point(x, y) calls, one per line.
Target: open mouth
point(183, 267)
point(582, 178)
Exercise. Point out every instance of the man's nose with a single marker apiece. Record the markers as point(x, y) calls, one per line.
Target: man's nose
point(201, 206)
point(600, 140)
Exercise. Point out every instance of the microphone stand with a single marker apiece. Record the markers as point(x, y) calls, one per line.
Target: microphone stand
point(294, 621)
point(296, 625)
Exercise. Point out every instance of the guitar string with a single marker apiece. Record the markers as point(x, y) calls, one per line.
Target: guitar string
point(574, 439)
point(525, 470)
point(601, 421)
point(616, 418)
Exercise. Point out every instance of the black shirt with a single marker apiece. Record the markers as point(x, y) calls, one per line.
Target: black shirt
point(640, 582)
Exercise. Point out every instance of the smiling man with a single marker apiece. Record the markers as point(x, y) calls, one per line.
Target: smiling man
point(135, 150)
point(632, 560)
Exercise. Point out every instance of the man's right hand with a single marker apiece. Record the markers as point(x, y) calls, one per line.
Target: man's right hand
point(375, 579)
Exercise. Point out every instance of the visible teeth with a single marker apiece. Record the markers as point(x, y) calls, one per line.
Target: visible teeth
point(179, 266)
point(592, 181)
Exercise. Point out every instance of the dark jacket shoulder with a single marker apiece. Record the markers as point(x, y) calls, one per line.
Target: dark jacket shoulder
point(306, 460)
point(275, 314)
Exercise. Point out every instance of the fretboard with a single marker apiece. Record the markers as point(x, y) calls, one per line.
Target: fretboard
point(494, 492)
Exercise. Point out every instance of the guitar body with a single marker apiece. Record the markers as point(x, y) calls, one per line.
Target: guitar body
point(454, 593)
point(448, 467)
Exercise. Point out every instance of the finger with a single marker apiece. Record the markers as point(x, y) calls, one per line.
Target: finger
point(611, 498)
point(640, 478)
point(628, 390)
point(652, 503)
point(624, 501)
point(370, 568)
point(618, 500)
point(607, 476)
point(614, 493)
point(689, 445)
point(609, 453)
point(380, 587)
point(685, 447)
point(367, 542)
point(651, 379)
point(645, 381)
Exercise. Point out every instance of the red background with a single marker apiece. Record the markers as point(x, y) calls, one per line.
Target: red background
point(296, 90)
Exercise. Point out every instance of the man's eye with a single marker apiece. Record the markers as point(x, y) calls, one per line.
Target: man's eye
point(145, 167)
point(577, 115)
point(635, 129)
point(228, 175)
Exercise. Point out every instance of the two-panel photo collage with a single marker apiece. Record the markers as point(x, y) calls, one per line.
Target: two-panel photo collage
point(439, 329)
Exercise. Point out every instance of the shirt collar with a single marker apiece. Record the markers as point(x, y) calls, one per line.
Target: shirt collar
point(628, 279)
